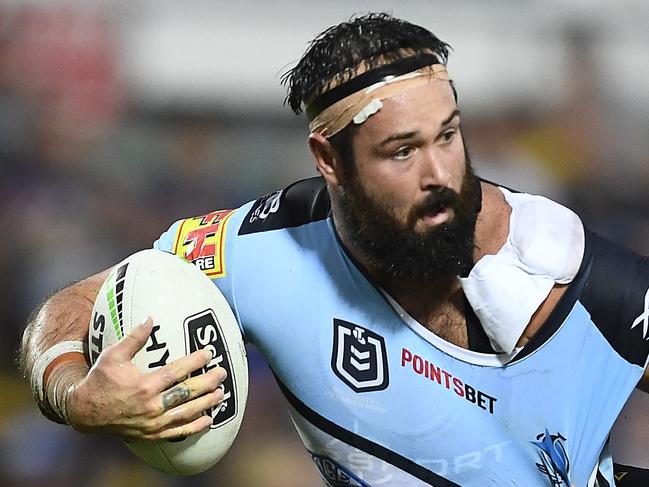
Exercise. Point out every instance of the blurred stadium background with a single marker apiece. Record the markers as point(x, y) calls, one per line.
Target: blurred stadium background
point(119, 117)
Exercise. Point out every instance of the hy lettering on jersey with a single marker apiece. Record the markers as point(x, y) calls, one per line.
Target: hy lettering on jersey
point(643, 318)
point(359, 357)
point(554, 463)
point(201, 241)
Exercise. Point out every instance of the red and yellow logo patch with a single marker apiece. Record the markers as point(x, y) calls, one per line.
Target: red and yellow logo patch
point(201, 241)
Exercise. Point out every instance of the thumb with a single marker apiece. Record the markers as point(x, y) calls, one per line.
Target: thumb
point(135, 340)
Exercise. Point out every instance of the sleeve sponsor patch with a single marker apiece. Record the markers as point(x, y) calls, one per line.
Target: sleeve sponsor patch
point(300, 203)
point(257, 218)
point(201, 241)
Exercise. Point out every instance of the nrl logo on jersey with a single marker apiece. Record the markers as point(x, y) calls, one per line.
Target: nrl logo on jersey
point(359, 357)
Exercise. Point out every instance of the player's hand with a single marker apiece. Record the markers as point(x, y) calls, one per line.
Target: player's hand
point(115, 397)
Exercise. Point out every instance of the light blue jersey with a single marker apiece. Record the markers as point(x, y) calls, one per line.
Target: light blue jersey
point(380, 400)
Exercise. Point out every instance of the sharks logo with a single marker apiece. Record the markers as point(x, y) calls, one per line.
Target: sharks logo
point(554, 458)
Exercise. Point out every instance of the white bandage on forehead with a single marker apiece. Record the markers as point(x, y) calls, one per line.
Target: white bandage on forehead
point(545, 247)
point(359, 106)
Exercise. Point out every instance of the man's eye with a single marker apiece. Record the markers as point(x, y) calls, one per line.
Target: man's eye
point(402, 152)
point(448, 135)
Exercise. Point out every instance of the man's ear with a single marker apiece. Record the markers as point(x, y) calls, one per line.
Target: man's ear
point(327, 160)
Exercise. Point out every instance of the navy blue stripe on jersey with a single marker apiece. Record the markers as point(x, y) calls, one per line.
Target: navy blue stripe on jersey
point(363, 444)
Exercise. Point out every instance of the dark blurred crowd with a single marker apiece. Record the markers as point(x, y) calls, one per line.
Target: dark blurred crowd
point(87, 176)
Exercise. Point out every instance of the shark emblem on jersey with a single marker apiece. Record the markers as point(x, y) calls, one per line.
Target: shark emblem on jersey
point(643, 318)
point(359, 357)
point(554, 458)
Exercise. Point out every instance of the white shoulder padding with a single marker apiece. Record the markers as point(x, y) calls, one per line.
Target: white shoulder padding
point(545, 246)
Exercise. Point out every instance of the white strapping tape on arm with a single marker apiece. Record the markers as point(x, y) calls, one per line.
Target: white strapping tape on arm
point(41, 364)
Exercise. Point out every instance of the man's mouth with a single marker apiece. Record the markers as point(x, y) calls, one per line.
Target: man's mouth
point(440, 213)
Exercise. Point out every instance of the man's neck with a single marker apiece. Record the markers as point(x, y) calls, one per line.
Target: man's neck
point(492, 226)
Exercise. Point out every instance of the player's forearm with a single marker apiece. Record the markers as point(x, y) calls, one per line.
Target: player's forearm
point(64, 316)
point(52, 355)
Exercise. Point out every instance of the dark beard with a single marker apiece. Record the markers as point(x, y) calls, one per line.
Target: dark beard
point(396, 250)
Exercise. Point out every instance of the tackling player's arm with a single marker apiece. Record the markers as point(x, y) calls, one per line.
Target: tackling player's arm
point(113, 396)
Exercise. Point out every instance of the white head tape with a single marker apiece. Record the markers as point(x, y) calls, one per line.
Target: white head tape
point(359, 106)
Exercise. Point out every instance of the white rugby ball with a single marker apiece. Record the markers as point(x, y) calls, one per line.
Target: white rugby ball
point(189, 313)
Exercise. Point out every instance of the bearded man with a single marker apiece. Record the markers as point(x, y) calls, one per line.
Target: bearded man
point(426, 327)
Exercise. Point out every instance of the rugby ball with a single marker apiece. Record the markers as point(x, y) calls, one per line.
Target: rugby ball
point(189, 313)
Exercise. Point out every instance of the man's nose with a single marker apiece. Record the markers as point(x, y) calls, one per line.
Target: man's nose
point(434, 172)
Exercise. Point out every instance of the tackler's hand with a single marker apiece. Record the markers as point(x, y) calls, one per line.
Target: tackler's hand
point(115, 397)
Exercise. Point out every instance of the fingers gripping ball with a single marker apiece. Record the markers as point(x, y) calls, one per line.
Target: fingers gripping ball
point(189, 313)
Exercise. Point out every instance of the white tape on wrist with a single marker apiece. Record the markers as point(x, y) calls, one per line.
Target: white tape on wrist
point(41, 364)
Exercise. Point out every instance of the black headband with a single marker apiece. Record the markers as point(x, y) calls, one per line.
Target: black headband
point(376, 75)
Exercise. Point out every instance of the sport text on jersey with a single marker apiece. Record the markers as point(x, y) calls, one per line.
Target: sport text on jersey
point(201, 241)
point(202, 331)
point(427, 369)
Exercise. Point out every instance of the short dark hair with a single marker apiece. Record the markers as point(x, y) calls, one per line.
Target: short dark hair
point(343, 47)
point(375, 38)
